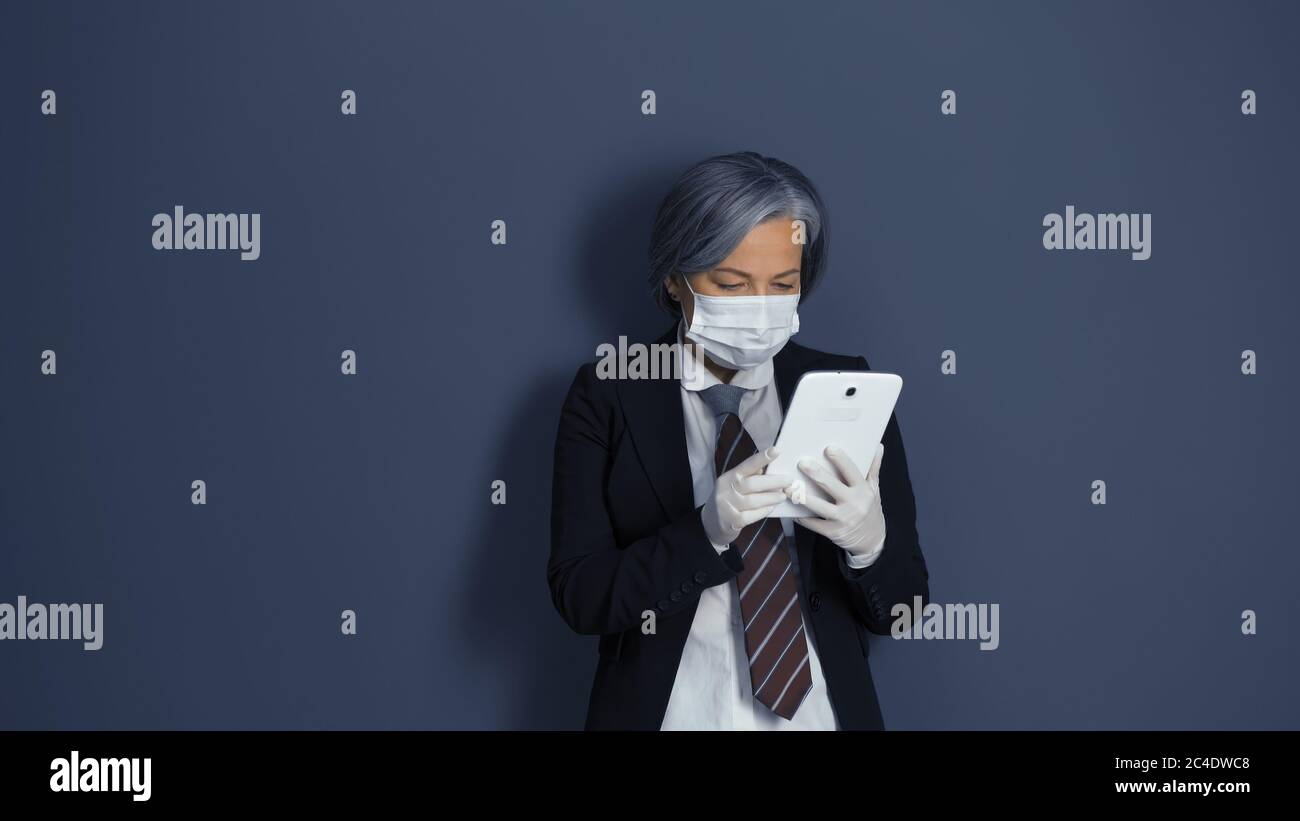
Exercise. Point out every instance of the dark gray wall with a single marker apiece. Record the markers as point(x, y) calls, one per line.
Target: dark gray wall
point(372, 492)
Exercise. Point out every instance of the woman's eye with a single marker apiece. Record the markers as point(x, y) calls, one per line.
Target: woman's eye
point(732, 287)
point(783, 286)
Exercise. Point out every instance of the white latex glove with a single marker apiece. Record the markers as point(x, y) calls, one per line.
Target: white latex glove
point(742, 496)
point(853, 519)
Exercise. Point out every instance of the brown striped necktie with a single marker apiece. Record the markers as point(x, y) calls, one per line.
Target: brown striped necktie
point(775, 638)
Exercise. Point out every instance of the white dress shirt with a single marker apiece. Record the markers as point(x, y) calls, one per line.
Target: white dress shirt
point(712, 690)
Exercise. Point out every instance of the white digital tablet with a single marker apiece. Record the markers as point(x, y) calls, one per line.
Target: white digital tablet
point(849, 409)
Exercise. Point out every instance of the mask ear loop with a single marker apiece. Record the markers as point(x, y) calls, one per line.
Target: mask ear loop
point(687, 283)
point(696, 350)
point(695, 301)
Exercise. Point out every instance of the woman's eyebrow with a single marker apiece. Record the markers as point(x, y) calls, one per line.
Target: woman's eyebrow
point(749, 275)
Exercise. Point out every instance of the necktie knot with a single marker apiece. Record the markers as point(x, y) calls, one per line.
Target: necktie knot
point(723, 399)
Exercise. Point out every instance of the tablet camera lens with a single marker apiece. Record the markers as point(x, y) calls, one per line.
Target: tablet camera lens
point(850, 391)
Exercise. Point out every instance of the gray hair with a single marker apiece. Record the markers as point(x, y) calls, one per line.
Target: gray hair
point(716, 203)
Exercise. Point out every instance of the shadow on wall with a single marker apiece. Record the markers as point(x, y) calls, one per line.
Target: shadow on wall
point(514, 636)
point(610, 277)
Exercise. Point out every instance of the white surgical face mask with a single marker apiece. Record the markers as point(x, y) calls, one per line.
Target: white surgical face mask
point(742, 331)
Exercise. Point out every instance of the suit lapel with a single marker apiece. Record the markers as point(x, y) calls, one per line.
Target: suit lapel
point(788, 365)
point(653, 409)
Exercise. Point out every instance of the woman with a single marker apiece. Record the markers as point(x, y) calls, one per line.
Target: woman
point(710, 615)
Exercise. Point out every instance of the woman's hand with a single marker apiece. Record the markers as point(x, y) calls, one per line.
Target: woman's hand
point(742, 496)
point(853, 519)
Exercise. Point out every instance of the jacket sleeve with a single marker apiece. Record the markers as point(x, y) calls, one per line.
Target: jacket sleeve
point(597, 585)
point(900, 573)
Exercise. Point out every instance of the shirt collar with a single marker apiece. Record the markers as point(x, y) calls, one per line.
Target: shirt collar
point(698, 377)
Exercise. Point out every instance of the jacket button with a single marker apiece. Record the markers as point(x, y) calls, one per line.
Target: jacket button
point(663, 604)
point(687, 587)
point(815, 602)
point(675, 596)
point(872, 590)
point(700, 576)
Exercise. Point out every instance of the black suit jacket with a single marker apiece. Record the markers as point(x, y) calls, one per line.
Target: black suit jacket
point(626, 537)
